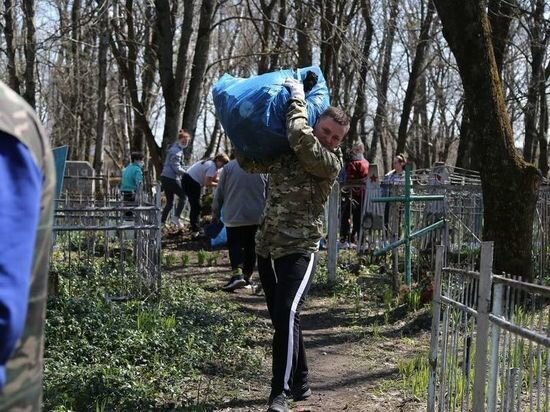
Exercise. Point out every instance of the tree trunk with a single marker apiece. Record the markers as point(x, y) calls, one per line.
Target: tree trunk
point(279, 43)
point(102, 85)
point(418, 67)
point(172, 82)
point(544, 124)
point(9, 34)
point(265, 35)
point(501, 14)
point(510, 186)
point(30, 53)
point(214, 140)
point(328, 25)
point(200, 59)
point(304, 23)
point(76, 90)
point(359, 110)
point(532, 108)
point(127, 66)
point(382, 90)
point(467, 157)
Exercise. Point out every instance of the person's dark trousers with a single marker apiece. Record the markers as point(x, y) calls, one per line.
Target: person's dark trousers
point(193, 191)
point(356, 217)
point(345, 212)
point(128, 198)
point(171, 187)
point(286, 282)
point(242, 248)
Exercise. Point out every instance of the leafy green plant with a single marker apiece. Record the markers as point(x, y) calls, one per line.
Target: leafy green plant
point(415, 374)
point(376, 330)
point(169, 260)
point(184, 260)
point(213, 259)
point(144, 355)
point(388, 298)
point(201, 257)
point(412, 299)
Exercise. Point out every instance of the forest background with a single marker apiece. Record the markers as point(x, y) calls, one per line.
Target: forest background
point(108, 77)
point(465, 83)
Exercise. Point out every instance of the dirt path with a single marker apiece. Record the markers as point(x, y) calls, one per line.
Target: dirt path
point(350, 370)
point(353, 361)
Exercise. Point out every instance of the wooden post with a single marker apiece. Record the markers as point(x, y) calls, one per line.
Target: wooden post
point(482, 341)
point(332, 247)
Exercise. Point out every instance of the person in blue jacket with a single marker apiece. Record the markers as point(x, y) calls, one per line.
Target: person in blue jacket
point(27, 192)
point(132, 177)
point(171, 175)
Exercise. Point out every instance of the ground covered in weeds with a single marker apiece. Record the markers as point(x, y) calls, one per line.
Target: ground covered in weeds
point(197, 348)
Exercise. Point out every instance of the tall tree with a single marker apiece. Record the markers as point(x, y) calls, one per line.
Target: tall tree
point(200, 59)
point(124, 47)
point(172, 77)
point(501, 14)
point(359, 109)
point(539, 43)
point(418, 67)
point(102, 84)
point(380, 120)
point(509, 184)
point(9, 34)
point(30, 52)
point(544, 126)
point(304, 23)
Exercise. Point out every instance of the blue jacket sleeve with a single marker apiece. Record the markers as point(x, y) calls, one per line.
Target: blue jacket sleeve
point(138, 176)
point(20, 192)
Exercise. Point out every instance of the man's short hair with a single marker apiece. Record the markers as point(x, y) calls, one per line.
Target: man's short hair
point(222, 157)
point(136, 156)
point(337, 114)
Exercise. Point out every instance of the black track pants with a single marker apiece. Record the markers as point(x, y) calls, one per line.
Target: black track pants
point(172, 187)
point(193, 191)
point(286, 282)
point(242, 248)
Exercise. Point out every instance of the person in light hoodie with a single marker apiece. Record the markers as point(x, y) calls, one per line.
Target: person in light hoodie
point(171, 175)
point(240, 198)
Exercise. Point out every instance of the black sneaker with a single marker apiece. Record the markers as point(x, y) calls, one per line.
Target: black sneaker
point(236, 282)
point(300, 394)
point(231, 280)
point(278, 404)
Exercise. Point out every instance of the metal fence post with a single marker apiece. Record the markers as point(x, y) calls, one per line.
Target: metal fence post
point(484, 301)
point(495, 341)
point(436, 313)
point(158, 224)
point(332, 249)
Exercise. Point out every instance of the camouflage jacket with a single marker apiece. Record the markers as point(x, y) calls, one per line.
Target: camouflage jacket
point(23, 390)
point(299, 186)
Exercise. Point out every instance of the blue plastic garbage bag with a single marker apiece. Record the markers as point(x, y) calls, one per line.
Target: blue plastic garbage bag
point(220, 240)
point(212, 230)
point(253, 110)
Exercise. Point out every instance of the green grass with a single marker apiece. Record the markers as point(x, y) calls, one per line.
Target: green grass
point(171, 352)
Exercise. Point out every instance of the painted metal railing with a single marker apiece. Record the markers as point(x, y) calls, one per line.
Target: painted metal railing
point(103, 232)
point(490, 340)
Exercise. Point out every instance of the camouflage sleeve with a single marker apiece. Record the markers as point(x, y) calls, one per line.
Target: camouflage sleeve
point(252, 166)
point(315, 158)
